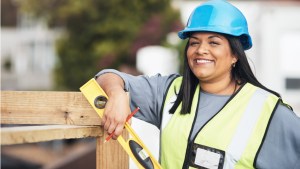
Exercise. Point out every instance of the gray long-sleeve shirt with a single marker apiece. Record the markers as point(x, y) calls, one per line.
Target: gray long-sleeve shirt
point(281, 147)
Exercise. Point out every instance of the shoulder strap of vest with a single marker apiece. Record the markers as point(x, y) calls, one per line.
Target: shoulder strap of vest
point(285, 104)
point(172, 90)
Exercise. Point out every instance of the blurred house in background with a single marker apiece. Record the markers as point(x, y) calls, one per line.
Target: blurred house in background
point(28, 51)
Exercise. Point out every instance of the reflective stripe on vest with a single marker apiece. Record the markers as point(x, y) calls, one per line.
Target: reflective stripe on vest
point(238, 129)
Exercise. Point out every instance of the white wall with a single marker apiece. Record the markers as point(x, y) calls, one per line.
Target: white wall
point(280, 55)
point(32, 54)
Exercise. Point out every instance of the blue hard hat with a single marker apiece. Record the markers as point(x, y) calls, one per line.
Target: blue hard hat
point(221, 17)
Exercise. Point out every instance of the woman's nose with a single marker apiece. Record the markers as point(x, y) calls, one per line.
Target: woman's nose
point(202, 49)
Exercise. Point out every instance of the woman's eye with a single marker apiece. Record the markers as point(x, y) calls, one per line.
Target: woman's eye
point(193, 43)
point(214, 43)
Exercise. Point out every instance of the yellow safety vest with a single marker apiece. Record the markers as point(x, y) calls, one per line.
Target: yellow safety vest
point(231, 138)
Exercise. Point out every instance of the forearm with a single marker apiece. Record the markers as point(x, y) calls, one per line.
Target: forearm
point(140, 88)
point(117, 108)
point(110, 83)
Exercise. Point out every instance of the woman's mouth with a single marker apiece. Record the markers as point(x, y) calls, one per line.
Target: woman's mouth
point(202, 61)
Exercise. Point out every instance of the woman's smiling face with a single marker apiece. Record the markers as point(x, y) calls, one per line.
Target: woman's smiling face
point(209, 56)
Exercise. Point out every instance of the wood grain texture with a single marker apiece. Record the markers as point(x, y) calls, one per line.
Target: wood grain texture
point(111, 154)
point(32, 134)
point(46, 107)
point(69, 113)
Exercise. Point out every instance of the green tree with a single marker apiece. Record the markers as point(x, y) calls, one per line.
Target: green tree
point(102, 34)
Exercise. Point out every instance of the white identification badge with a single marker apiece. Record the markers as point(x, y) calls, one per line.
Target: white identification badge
point(207, 159)
point(204, 157)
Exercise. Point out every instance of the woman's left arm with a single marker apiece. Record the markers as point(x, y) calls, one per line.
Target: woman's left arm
point(281, 147)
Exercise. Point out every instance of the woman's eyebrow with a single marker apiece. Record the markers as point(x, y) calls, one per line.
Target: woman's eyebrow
point(215, 36)
point(193, 37)
point(210, 37)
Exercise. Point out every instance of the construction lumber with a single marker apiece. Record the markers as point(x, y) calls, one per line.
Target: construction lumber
point(32, 134)
point(46, 107)
point(70, 116)
point(111, 154)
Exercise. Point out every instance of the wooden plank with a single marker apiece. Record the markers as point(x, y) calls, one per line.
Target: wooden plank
point(46, 107)
point(32, 134)
point(111, 154)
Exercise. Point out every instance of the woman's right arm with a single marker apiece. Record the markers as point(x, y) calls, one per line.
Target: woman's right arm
point(117, 107)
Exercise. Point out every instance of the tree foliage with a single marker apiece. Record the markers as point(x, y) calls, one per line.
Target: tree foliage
point(102, 34)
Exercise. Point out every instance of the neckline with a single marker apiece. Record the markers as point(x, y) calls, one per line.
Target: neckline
point(216, 95)
point(221, 95)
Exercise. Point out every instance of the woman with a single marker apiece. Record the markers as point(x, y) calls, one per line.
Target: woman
point(217, 114)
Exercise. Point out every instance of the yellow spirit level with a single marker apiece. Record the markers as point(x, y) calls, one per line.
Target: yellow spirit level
point(134, 146)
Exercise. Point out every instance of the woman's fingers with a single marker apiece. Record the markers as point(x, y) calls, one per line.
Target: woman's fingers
point(118, 131)
point(129, 121)
point(106, 125)
point(114, 122)
point(115, 113)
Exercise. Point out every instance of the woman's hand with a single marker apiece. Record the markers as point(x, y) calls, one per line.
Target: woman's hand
point(115, 113)
point(117, 107)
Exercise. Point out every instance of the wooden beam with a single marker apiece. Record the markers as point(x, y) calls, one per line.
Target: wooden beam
point(111, 154)
point(32, 134)
point(66, 108)
point(46, 107)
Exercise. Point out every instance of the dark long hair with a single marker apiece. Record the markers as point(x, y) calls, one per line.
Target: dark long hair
point(241, 73)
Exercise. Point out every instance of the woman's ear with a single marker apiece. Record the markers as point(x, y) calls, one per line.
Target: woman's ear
point(234, 59)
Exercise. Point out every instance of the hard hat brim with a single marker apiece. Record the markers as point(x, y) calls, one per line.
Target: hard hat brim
point(244, 38)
